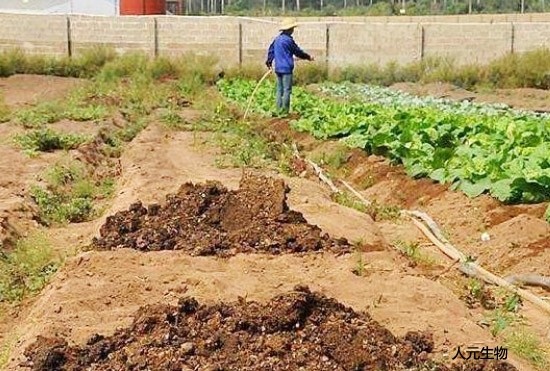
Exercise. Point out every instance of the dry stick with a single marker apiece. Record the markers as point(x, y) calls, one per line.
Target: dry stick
point(323, 177)
point(529, 279)
point(254, 92)
point(318, 171)
point(450, 252)
point(357, 194)
point(474, 269)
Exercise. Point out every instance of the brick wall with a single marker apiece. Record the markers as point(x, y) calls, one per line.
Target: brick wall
point(34, 34)
point(529, 36)
point(234, 40)
point(216, 36)
point(468, 42)
point(124, 34)
point(374, 43)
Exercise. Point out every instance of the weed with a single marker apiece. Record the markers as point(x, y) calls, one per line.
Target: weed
point(505, 314)
point(27, 268)
point(78, 112)
point(512, 302)
point(527, 346)
point(70, 193)
point(383, 212)
point(4, 110)
point(5, 350)
point(334, 159)
point(413, 252)
point(477, 292)
point(172, 120)
point(347, 199)
point(500, 320)
point(39, 115)
point(86, 64)
point(243, 150)
point(47, 140)
point(359, 269)
point(366, 182)
point(284, 157)
point(475, 288)
point(131, 130)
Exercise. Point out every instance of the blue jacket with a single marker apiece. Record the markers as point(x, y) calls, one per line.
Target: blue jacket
point(282, 50)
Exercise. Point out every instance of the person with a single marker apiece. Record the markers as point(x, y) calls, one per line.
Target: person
point(282, 51)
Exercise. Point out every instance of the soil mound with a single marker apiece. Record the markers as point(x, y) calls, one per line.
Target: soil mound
point(299, 330)
point(208, 219)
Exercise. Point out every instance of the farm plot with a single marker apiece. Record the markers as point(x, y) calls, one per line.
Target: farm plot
point(225, 241)
point(477, 149)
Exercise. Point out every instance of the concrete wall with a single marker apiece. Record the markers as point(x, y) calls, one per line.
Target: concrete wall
point(529, 36)
point(468, 42)
point(180, 35)
point(374, 43)
point(236, 40)
point(34, 33)
point(124, 34)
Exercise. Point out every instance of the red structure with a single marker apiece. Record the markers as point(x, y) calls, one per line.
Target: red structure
point(142, 7)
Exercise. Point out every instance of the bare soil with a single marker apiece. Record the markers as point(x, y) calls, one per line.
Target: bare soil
point(20, 90)
point(522, 98)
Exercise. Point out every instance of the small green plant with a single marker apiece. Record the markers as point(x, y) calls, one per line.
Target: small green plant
point(131, 130)
point(334, 159)
point(366, 182)
point(70, 193)
point(27, 268)
point(547, 214)
point(528, 346)
point(475, 288)
point(413, 252)
point(347, 199)
point(79, 112)
point(172, 120)
point(383, 212)
point(478, 293)
point(47, 140)
point(39, 115)
point(500, 320)
point(360, 266)
point(243, 150)
point(4, 110)
point(505, 314)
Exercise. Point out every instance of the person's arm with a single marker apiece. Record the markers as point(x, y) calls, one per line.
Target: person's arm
point(299, 52)
point(270, 55)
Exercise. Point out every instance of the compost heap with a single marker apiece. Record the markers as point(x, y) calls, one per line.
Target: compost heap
point(300, 330)
point(208, 219)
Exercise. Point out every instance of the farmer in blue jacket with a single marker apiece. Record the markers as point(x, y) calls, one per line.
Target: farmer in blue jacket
point(282, 50)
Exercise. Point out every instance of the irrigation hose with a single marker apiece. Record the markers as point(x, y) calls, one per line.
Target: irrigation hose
point(254, 92)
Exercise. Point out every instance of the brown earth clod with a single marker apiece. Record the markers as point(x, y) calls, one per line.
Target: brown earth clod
point(208, 219)
point(298, 330)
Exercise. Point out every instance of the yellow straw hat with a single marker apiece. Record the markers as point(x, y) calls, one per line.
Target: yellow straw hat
point(288, 23)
